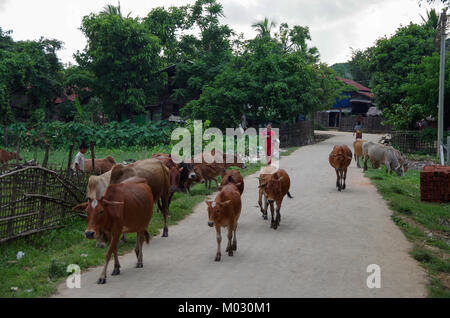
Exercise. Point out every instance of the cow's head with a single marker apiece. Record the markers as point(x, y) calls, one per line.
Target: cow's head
point(272, 188)
point(99, 215)
point(215, 209)
point(174, 174)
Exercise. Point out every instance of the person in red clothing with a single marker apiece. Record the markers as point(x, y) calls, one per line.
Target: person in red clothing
point(269, 139)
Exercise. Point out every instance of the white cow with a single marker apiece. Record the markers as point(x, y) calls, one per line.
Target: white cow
point(382, 154)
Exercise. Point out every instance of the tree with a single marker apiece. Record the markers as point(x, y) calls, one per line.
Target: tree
point(391, 61)
point(421, 89)
point(123, 56)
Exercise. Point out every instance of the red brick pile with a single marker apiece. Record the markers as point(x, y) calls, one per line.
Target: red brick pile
point(435, 184)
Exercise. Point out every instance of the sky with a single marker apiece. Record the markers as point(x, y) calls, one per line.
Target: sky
point(336, 26)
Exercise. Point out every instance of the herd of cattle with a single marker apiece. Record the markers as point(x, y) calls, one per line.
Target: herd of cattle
point(341, 157)
point(121, 200)
point(121, 197)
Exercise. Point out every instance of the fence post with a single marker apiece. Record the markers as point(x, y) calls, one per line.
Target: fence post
point(93, 157)
point(448, 150)
point(70, 157)
point(6, 136)
point(47, 149)
point(18, 151)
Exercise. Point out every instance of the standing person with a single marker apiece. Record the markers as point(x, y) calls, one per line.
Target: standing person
point(269, 137)
point(78, 164)
point(358, 130)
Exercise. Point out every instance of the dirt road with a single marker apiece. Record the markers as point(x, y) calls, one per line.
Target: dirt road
point(322, 248)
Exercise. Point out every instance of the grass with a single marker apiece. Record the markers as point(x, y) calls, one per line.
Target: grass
point(47, 255)
point(426, 225)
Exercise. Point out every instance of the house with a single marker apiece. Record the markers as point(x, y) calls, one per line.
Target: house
point(357, 103)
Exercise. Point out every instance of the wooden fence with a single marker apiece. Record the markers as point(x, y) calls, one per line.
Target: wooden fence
point(296, 135)
point(370, 124)
point(34, 199)
point(412, 142)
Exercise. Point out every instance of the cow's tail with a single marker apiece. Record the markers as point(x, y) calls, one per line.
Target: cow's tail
point(290, 195)
point(147, 237)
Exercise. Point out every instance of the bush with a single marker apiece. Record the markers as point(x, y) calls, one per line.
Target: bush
point(112, 135)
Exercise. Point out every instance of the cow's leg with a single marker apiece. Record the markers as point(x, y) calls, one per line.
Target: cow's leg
point(219, 240)
point(230, 238)
point(112, 249)
point(266, 206)
point(123, 239)
point(116, 265)
point(272, 211)
point(365, 162)
point(166, 214)
point(140, 240)
point(337, 178)
point(344, 178)
point(260, 194)
point(234, 238)
point(278, 219)
point(357, 161)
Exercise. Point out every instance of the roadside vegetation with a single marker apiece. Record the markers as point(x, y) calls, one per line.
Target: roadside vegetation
point(426, 225)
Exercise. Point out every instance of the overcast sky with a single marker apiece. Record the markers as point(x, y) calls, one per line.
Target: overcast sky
point(336, 25)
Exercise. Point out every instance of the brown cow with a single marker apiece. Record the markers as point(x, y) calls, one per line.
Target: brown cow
point(209, 172)
point(174, 172)
point(264, 177)
point(275, 190)
point(101, 165)
point(234, 177)
point(157, 176)
point(125, 208)
point(6, 156)
point(224, 211)
point(358, 148)
point(340, 158)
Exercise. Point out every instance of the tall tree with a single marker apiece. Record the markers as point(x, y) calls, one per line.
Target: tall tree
point(124, 57)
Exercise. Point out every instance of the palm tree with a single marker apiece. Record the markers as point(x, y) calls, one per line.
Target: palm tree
point(264, 28)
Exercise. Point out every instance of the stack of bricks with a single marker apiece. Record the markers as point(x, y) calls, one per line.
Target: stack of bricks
point(435, 184)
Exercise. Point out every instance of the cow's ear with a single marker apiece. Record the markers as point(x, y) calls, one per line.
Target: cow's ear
point(80, 207)
point(226, 203)
point(208, 203)
point(107, 203)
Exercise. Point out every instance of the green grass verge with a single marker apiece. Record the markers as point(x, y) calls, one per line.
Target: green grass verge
point(47, 255)
point(417, 220)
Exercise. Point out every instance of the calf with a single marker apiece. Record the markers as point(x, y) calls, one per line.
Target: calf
point(264, 177)
point(209, 172)
point(224, 211)
point(382, 154)
point(358, 148)
point(6, 156)
point(174, 172)
point(340, 158)
point(233, 177)
point(275, 189)
point(125, 208)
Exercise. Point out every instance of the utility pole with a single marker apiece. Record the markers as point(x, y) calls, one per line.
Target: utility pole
point(442, 86)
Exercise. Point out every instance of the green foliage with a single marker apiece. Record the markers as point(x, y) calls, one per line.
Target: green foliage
point(122, 54)
point(273, 79)
point(393, 59)
point(421, 90)
point(112, 135)
point(29, 68)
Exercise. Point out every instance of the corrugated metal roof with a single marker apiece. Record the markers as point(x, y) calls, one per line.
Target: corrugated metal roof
point(358, 86)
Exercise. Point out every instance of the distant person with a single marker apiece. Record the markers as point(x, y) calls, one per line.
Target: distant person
point(358, 130)
point(78, 164)
point(270, 138)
